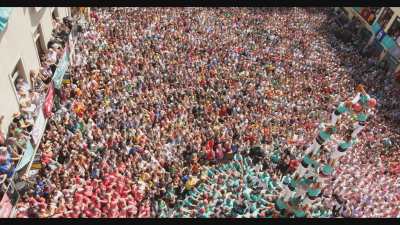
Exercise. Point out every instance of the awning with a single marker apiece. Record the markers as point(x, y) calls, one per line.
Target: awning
point(5, 13)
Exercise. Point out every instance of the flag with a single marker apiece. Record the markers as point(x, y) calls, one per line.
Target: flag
point(49, 101)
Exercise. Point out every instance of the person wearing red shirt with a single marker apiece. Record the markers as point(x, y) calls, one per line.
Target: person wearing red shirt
point(223, 111)
point(219, 153)
point(266, 132)
point(210, 154)
point(96, 201)
point(293, 164)
point(144, 210)
point(210, 144)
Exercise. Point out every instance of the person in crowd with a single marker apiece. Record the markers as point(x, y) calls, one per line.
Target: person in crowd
point(180, 113)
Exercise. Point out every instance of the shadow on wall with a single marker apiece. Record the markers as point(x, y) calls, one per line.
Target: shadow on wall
point(36, 16)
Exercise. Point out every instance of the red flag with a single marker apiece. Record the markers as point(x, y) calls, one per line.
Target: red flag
point(48, 103)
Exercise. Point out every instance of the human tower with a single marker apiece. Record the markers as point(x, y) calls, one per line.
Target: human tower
point(303, 189)
point(298, 193)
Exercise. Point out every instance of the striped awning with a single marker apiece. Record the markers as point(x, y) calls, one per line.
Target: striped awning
point(5, 13)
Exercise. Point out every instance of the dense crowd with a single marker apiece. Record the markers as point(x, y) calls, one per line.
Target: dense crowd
point(30, 97)
point(161, 98)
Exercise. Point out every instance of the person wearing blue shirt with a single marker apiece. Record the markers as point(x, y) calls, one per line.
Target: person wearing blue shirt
point(7, 167)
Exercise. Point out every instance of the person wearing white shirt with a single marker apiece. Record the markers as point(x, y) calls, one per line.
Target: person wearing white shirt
point(52, 56)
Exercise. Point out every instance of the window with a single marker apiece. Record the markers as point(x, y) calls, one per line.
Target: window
point(385, 17)
point(55, 13)
point(394, 30)
point(18, 78)
point(39, 42)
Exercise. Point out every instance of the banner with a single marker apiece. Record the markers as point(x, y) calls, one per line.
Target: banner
point(48, 102)
point(61, 68)
point(38, 127)
point(27, 157)
point(5, 206)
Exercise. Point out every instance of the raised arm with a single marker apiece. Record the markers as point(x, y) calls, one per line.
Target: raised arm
point(356, 99)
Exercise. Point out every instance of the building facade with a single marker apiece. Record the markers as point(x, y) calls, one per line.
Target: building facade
point(378, 30)
point(22, 40)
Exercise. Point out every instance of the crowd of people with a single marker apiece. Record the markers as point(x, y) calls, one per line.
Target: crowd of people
point(162, 98)
point(30, 97)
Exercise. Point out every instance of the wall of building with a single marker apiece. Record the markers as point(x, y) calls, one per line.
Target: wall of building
point(17, 42)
